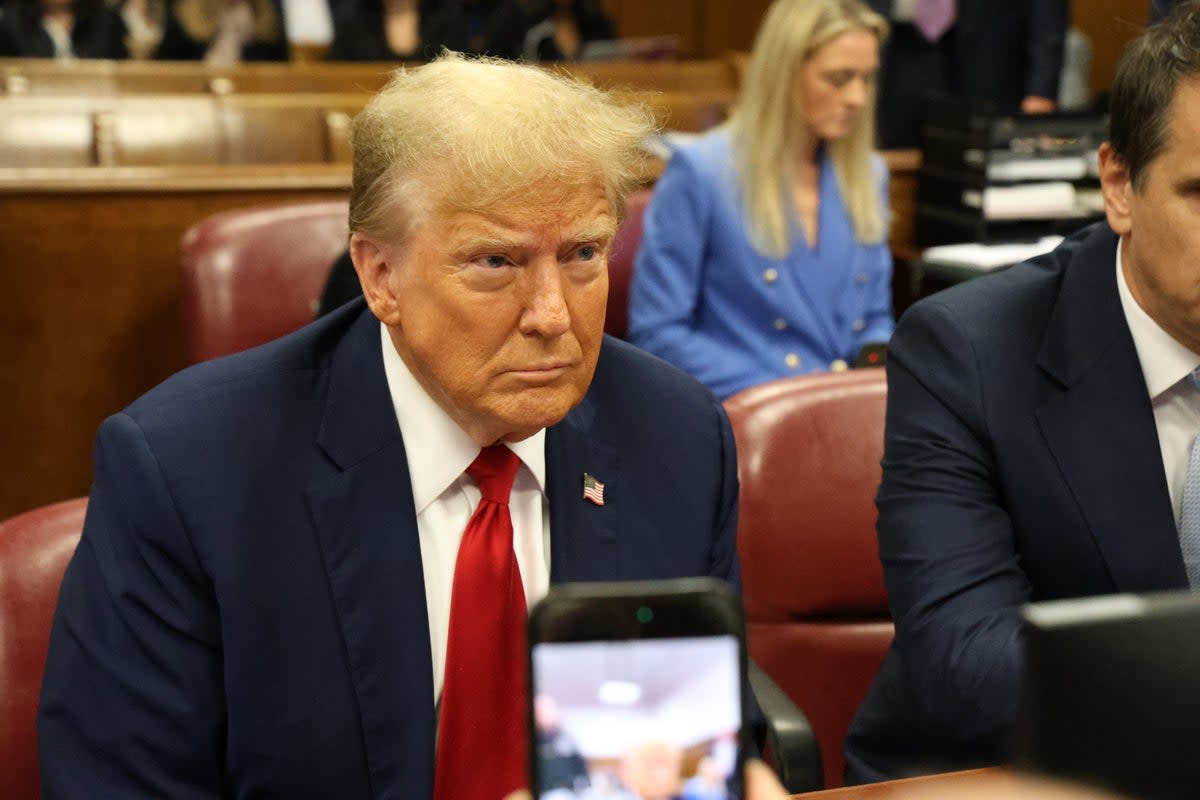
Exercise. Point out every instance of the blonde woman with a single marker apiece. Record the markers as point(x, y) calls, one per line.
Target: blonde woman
point(764, 251)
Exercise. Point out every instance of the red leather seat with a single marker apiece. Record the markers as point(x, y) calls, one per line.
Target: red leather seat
point(620, 263)
point(255, 274)
point(34, 550)
point(809, 451)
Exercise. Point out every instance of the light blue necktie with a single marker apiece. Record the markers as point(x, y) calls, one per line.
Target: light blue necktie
point(1189, 515)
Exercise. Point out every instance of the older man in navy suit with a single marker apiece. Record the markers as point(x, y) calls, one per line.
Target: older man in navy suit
point(294, 579)
point(1042, 434)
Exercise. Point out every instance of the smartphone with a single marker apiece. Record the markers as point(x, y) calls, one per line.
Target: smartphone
point(638, 691)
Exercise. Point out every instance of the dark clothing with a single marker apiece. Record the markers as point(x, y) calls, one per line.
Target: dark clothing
point(177, 45)
point(98, 32)
point(341, 286)
point(559, 764)
point(531, 37)
point(1021, 463)
point(359, 35)
point(1001, 52)
point(1159, 9)
point(245, 615)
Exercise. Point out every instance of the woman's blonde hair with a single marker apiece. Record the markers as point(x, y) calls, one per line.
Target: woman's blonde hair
point(766, 134)
point(478, 131)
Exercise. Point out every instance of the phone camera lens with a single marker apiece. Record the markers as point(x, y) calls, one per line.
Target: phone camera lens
point(644, 614)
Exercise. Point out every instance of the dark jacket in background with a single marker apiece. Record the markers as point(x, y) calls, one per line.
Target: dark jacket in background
point(177, 45)
point(516, 28)
point(99, 32)
point(1002, 52)
point(358, 33)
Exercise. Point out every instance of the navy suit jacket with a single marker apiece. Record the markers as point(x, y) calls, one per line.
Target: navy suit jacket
point(1021, 463)
point(998, 50)
point(245, 614)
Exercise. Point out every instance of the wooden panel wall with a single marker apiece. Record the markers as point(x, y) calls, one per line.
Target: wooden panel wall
point(1109, 24)
point(90, 308)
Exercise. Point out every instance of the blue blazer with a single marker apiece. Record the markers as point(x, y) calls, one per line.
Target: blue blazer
point(706, 300)
point(1021, 463)
point(245, 614)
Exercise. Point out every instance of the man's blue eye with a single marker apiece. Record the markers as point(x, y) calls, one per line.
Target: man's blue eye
point(587, 252)
point(495, 261)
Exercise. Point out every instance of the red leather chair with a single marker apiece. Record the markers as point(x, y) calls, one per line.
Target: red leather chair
point(620, 263)
point(34, 550)
point(809, 451)
point(255, 274)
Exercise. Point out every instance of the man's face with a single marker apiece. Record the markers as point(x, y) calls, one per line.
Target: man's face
point(499, 314)
point(1160, 221)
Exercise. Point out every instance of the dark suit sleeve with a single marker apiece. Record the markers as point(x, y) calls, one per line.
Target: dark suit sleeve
point(724, 562)
point(1047, 38)
point(952, 571)
point(132, 700)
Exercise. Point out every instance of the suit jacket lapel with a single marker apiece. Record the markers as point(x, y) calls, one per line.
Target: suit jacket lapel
point(583, 539)
point(366, 529)
point(1099, 424)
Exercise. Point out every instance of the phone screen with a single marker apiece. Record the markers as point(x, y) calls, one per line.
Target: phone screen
point(637, 719)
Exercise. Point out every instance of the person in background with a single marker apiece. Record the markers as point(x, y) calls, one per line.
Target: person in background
point(306, 567)
point(764, 253)
point(385, 30)
point(553, 30)
point(559, 763)
point(223, 32)
point(1008, 52)
point(1042, 435)
point(144, 20)
point(61, 29)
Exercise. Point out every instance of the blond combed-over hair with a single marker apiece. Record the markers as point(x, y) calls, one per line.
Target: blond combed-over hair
point(472, 133)
point(767, 129)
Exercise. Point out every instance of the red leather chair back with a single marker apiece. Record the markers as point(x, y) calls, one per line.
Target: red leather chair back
point(620, 263)
point(252, 275)
point(809, 451)
point(34, 550)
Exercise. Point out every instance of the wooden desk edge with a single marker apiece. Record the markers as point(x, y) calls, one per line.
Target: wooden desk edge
point(880, 791)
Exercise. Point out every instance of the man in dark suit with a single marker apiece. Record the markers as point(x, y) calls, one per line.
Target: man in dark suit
point(1039, 425)
point(1009, 53)
point(268, 596)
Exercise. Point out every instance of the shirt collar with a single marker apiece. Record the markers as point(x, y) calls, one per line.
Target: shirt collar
point(1164, 360)
point(438, 450)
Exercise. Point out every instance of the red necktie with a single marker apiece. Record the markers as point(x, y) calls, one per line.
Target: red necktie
point(482, 749)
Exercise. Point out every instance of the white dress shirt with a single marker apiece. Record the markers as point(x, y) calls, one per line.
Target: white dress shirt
point(444, 497)
point(1166, 364)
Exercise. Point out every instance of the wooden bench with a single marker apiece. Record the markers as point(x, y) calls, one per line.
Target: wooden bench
point(161, 130)
point(23, 77)
point(154, 130)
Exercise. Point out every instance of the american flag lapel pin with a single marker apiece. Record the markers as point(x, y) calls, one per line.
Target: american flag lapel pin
point(593, 489)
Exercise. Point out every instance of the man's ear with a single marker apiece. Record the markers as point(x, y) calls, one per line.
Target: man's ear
point(1117, 187)
point(376, 266)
